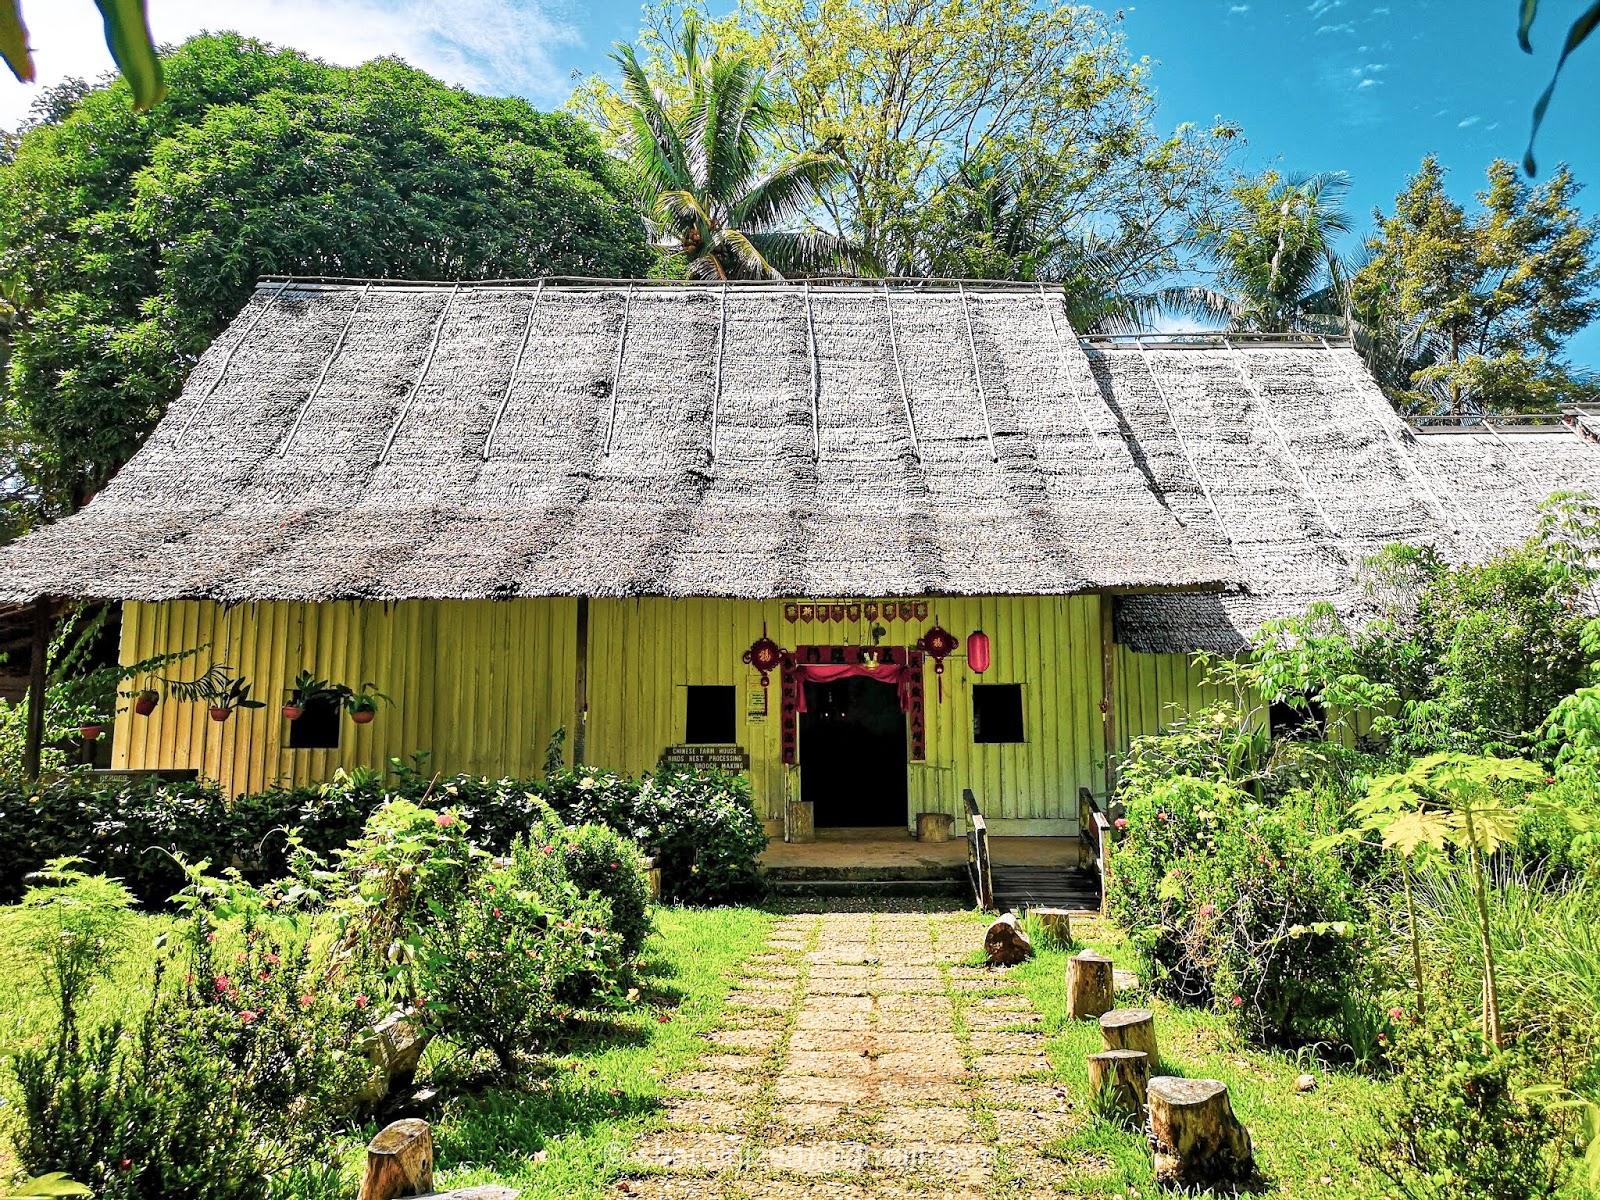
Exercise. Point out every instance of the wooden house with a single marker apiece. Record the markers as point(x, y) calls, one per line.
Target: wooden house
point(582, 505)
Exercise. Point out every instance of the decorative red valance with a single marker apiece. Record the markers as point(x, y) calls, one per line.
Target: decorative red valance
point(824, 664)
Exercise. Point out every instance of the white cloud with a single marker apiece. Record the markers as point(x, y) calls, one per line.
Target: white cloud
point(488, 45)
point(1366, 83)
point(1343, 27)
point(1467, 123)
point(1238, 9)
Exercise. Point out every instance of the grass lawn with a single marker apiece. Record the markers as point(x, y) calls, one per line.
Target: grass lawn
point(564, 1133)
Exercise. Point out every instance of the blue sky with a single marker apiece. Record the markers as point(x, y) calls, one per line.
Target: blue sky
point(1362, 86)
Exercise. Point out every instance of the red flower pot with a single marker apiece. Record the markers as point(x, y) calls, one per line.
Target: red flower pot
point(145, 703)
point(91, 732)
point(363, 716)
point(221, 714)
point(292, 712)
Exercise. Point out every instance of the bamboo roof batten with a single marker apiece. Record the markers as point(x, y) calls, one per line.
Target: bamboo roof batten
point(1061, 373)
point(322, 375)
point(1401, 451)
point(716, 383)
point(977, 374)
point(227, 361)
point(616, 367)
point(516, 367)
point(1525, 473)
point(422, 375)
point(813, 387)
point(899, 371)
point(1277, 432)
point(1183, 442)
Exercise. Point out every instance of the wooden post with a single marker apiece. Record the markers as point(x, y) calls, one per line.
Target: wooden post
point(399, 1162)
point(1091, 986)
point(1126, 1073)
point(38, 684)
point(1131, 1029)
point(1056, 923)
point(580, 715)
point(1005, 944)
point(1196, 1138)
point(1108, 689)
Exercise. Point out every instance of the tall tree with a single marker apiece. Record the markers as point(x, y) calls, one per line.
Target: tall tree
point(927, 102)
point(1276, 262)
point(128, 241)
point(1485, 299)
point(697, 149)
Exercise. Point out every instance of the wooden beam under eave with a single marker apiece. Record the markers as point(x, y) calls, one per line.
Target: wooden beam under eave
point(38, 683)
point(1108, 690)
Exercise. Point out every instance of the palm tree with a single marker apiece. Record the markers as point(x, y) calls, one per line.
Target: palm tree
point(1276, 263)
point(700, 158)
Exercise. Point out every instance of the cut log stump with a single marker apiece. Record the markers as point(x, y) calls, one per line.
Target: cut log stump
point(394, 1049)
point(1091, 985)
point(1195, 1136)
point(1125, 1074)
point(1056, 924)
point(1131, 1029)
point(1006, 944)
point(399, 1161)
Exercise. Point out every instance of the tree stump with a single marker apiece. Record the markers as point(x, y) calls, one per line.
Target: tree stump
point(1005, 944)
point(394, 1049)
point(934, 826)
point(1091, 985)
point(802, 821)
point(1126, 1073)
point(1056, 923)
point(1131, 1029)
point(1196, 1138)
point(399, 1162)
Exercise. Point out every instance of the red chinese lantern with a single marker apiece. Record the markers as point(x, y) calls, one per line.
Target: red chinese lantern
point(978, 652)
point(765, 655)
point(939, 643)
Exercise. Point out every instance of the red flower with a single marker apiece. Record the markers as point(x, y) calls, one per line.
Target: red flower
point(211, 937)
point(1207, 909)
point(497, 912)
point(1396, 1013)
point(223, 983)
point(549, 849)
point(444, 820)
point(1237, 1001)
point(361, 1000)
point(272, 958)
point(1121, 822)
point(305, 1001)
point(247, 1015)
point(125, 1165)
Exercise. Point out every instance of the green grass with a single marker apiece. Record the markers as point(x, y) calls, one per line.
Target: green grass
point(564, 1134)
point(1303, 1141)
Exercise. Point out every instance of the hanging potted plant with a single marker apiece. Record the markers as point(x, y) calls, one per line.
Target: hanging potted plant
point(92, 728)
point(223, 695)
point(309, 690)
point(363, 705)
point(145, 701)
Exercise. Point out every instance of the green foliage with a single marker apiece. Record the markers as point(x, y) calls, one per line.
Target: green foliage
point(1468, 313)
point(134, 239)
point(1456, 1126)
point(600, 861)
point(75, 926)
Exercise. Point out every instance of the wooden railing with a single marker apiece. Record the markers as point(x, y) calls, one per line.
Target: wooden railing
point(978, 869)
point(1094, 828)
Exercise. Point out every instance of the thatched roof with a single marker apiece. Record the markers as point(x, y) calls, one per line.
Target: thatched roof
point(396, 442)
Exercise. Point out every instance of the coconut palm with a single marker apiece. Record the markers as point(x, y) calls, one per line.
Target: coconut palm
point(1276, 264)
point(699, 150)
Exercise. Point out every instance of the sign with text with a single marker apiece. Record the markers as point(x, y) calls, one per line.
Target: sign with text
point(732, 759)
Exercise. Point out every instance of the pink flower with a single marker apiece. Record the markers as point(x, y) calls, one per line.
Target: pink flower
point(1207, 910)
point(1383, 1039)
point(497, 912)
point(1161, 816)
point(305, 1001)
point(549, 849)
point(1237, 1001)
point(247, 1015)
point(223, 983)
point(444, 820)
point(211, 937)
point(1121, 822)
point(272, 958)
point(361, 1000)
point(1396, 1013)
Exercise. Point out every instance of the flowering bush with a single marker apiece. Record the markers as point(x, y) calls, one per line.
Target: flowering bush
point(602, 862)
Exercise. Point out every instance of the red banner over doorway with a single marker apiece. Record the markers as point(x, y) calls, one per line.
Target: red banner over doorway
point(823, 664)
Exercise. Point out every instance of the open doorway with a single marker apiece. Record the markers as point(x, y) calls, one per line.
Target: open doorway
point(853, 753)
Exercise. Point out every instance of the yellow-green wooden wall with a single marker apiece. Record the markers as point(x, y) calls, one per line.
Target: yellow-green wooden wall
point(482, 684)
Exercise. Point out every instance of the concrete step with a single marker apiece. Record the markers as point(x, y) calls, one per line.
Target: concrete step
point(865, 874)
point(869, 887)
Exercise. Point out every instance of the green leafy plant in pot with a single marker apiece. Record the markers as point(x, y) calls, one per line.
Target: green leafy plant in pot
point(309, 690)
point(221, 692)
point(363, 705)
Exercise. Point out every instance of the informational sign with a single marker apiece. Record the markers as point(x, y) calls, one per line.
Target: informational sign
point(755, 703)
point(732, 759)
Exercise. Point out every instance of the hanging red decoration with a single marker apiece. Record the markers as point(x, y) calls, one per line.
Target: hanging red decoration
point(978, 652)
point(765, 655)
point(939, 643)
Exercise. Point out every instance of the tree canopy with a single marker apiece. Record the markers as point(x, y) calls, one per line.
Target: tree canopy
point(128, 240)
point(1466, 312)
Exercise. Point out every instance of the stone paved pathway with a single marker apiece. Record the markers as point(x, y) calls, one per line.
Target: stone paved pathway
point(860, 1057)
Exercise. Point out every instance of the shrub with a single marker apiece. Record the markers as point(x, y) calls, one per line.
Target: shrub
point(505, 960)
point(600, 861)
point(1456, 1127)
point(711, 839)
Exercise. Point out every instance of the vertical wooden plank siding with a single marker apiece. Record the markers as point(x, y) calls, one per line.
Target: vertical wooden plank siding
point(1153, 689)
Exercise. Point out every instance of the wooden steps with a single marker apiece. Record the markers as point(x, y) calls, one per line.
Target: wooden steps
point(1017, 889)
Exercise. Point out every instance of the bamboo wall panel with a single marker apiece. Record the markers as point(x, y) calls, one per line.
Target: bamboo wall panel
point(1153, 689)
point(481, 685)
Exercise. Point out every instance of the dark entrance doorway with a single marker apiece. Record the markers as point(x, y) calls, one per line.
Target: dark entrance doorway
point(853, 753)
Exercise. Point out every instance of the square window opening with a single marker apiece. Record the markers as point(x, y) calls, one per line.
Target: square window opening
point(997, 712)
point(709, 720)
point(318, 726)
point(1299, 720)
